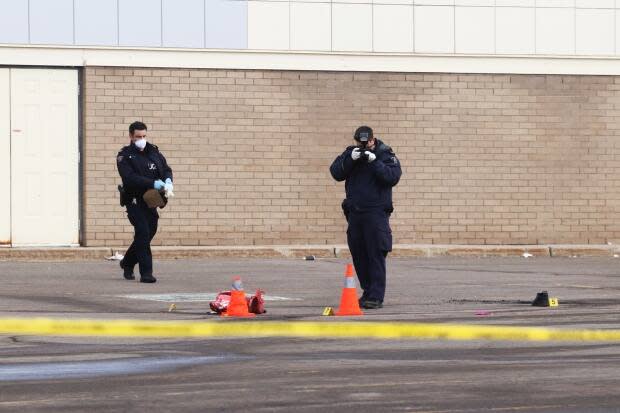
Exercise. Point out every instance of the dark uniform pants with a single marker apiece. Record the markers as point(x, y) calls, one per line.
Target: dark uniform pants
point(370, 239)
point(144, 221)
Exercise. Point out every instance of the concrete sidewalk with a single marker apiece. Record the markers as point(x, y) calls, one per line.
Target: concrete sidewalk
point(318, 251)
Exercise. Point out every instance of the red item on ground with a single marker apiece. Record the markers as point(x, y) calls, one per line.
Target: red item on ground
point(256, 303)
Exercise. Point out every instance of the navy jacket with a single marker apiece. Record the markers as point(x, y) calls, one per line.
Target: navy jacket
point(138, 169)
point(368, 186)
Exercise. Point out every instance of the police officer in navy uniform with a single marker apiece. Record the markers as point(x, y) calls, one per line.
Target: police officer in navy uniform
point(141, 167)
point(370, 169)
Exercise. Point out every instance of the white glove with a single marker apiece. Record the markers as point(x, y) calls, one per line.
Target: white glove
point(168, 190)
point(371, 156)
point(355, 155)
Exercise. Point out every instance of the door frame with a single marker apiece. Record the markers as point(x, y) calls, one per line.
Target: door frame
point(5, 157)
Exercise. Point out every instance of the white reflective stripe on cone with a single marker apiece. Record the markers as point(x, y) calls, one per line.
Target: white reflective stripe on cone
point(349, 282)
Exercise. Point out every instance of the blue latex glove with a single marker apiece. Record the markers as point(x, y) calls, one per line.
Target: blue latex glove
point(159, 184)
point(168, 181)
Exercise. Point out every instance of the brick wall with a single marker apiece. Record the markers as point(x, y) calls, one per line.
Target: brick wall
point(486, 158)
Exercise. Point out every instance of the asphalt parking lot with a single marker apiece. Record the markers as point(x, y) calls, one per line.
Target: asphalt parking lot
point(43, 373)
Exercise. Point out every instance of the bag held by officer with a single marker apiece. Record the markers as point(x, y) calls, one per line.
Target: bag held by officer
point(153, 198)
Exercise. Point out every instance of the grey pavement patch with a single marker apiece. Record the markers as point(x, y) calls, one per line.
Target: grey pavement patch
point(70, 370)
point(193, 297)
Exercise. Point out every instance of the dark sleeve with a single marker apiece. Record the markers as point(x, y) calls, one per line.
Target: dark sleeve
point(167, 171)
point(342, 165)
point(387, 168)
point(130, 178)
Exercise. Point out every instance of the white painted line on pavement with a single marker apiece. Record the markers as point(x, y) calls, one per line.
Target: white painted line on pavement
point(193, 297)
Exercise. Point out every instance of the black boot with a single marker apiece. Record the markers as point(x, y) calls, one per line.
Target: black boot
point(372, 304)
point(362, 299)
point(127, 272)
point(147, 279)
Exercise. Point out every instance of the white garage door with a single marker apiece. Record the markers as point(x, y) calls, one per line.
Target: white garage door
point(44, 157)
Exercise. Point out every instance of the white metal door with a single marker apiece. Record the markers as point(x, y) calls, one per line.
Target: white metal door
point(5, 158)
point(44, 157)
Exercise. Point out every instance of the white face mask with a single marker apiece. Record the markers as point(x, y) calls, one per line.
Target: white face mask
point(140, 143)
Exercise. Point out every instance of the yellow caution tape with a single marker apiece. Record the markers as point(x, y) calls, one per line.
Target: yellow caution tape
point(376, 330)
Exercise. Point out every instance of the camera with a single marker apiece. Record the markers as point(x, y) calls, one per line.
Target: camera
point(363, 149)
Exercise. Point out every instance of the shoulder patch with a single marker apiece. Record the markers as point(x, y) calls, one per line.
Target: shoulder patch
point(119, 158)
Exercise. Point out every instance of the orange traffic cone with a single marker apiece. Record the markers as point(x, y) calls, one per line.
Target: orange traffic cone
point(348, 302)
point(238, 306)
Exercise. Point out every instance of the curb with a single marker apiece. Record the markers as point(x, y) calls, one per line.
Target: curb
point(317, 251)
point(54, 254)
point(283, 251)
point(584, 250)
point(469, 250)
